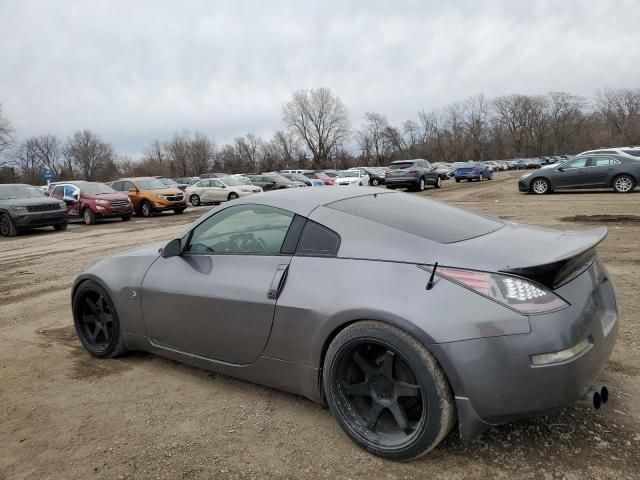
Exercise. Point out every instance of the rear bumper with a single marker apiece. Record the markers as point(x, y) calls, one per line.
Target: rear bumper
point(402, 181)
point(40, 219)
point(494, 379)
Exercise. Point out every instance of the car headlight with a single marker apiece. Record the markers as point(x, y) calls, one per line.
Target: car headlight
point(526, 175)
point(62, 205)
point(102, 202)
point(18, 208)
point(246, 190)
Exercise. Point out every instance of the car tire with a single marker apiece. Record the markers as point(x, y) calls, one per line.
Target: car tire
point(421, 185)
point(232, 196)
point(179, 211)
point(411, 399)
point(391, 188)
point(7, 227)
point(438, 183)
point(88, 216)
point(145, 209)
point(457, 180)
point(125, 218)
point(480, 178)
point(540, 186)
point(375, 182)
point(59, 227)
point(624, 183)
point(96, 321)
point(195, 200)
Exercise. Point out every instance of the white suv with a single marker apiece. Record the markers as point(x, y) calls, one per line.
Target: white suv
point(630, 152)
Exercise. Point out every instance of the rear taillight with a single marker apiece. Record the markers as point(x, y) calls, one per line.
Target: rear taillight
point(515, 292)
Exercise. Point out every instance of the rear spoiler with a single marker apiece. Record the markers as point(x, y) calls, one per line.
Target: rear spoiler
point(575, 253)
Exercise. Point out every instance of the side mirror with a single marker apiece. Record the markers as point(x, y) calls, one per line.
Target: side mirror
point(76, 196)
point(171, 249)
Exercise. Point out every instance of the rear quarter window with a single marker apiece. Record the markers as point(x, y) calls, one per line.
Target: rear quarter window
point(419, 216)
point(318, 240)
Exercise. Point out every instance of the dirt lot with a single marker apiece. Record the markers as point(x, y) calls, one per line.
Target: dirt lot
point(66, 415)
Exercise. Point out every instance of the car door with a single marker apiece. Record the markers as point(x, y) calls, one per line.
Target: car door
point(72, 199)
point(217, 191)
point(202, 190)
point(217, 299)
point(573, 174)
point(58, 194)
point(600, 171)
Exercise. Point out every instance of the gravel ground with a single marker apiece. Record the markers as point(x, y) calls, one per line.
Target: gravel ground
point(66, 415)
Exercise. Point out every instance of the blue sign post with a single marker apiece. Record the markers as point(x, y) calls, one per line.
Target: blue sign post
point(48, 176)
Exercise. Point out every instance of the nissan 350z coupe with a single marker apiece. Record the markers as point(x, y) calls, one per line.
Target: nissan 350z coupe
point(474, 320)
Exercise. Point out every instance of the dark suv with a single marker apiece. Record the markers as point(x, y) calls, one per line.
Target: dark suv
point(23, 207)
point(92, 201)
point(412, 174)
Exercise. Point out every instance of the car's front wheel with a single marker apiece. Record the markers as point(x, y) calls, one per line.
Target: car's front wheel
point(232, 196)
point(624, 184)
point(387, 391)
point(89, 217)
point(179, 211)
point(540, 186)
point(195, 200)
point(375, 182)
point(58, 227)
point(421, 185)
point(7, 227)
point(145, 209)
point(96, 321)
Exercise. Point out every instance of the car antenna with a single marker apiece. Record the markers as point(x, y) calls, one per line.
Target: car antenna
point(433, 273)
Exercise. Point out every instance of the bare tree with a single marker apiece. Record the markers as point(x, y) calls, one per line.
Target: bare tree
point(319, 119)
point(89, 153)
point(202, 151)
point(49, 150)
point(476, 122)
point(621, 109)
point(372, 134)
point(564, 117)
point(178, 152)
point(289, 148)
point(28, 162)
point(6, 135)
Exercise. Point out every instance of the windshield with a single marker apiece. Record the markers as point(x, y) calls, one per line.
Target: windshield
point(468, 165)
point(396, 166)
point(232, 181)
point(350, 173)
point(168, 182)
point(96, 188)
point(278, 179)
point(151, 184)
point(19, 191)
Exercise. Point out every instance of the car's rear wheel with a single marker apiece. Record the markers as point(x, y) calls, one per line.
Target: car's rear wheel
point(232, 196)
point(89, 217)
point(7, 227)
point(195, 200)
point(96, 321)
point(145, 209)
point(387, 391)
point(438, 183)
point(421, 185)
point(375, 182)
point(60, 226)
point(624, 183)
point(481, 177)
point(540, 186)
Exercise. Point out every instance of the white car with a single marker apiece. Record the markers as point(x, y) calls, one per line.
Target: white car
point(216, 190)
point(355, 178)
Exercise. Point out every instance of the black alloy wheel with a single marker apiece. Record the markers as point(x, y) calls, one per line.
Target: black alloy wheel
point(375, 182)
point(233, 196)
point(7, 228)
point(195, 200)
point(96, 321)
point(387, 391)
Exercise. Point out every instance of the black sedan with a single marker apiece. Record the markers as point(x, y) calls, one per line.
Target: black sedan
point(592, 171)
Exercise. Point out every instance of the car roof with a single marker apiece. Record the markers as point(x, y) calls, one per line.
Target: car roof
point(304, 200)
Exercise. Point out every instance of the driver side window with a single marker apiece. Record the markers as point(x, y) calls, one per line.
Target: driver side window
point(577, 163)
point(248, 229)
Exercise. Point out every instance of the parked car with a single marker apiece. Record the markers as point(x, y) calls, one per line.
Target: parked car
point(517, 164)
point(309, 182)
point(273, 182)
point(439, 344)
point(588, 171)
point(326, 179)
point(23, 207)
point(531, 163)
point(376, 176)
point(413, 174)
point(444, 171)
point(216, 190)
point(150, 195)
point(92, 201)
point(473, 171)
point(186, 181)
point(351, 178)
point(214, 175)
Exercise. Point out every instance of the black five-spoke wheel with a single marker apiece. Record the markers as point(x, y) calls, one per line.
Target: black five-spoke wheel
point(96, 321)
point(387, 391)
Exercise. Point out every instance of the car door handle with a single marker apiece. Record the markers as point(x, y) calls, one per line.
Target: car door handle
point(278, 281)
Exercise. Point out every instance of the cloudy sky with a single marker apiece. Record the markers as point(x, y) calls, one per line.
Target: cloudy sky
point(134, 71)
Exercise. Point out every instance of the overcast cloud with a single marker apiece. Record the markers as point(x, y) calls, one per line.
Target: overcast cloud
point(134, 71)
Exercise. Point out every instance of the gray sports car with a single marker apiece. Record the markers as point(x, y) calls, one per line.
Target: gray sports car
point(401, 322)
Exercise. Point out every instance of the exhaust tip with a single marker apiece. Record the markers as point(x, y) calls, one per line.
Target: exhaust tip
point(597, 401)
point(604, 395)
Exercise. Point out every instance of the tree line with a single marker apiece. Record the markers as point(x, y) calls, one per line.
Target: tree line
point(318, 133)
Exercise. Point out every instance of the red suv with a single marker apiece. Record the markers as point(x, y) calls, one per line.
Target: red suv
point(92, 201)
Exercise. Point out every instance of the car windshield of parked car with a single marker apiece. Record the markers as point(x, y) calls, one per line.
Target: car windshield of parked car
point(151, 184)
point(231, 181)
point(255, 229)
point(277, 179)
point(350, 173)
point(396, 166)
point(96, 188)
point(9, 192)
point(419, 216)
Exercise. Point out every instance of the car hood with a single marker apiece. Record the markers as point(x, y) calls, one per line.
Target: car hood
point(29, 201)
point(165, 191)
point(106, 196)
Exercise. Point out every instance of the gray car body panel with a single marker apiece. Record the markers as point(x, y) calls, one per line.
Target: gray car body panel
point(484, 347)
